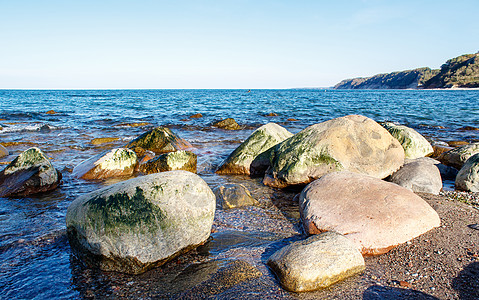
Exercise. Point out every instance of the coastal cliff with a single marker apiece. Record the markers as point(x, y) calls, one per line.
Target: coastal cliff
point(459, 72)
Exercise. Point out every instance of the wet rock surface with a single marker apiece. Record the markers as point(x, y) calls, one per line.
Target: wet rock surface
point(178, 160)
point(31, 172)
point(141, 223)
point(233, 196)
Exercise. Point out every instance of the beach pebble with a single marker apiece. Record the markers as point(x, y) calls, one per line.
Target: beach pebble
point(29, 173)
point(178, 160)
point(141, 223)
point(316, 262)
point(234, 196)
point(262, 139)
point(414, 144)
point(354, 143)
point(375, 214)
point(113, 163)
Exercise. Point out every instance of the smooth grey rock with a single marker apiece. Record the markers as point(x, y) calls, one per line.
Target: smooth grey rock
point(419, 176)
point(141, 223)
point(375, 214)
point(317, 262)
point(355, 143)
point(113, 163)
point(262, 139)
point(29, 173)
point(468, 176)
point(233, 196)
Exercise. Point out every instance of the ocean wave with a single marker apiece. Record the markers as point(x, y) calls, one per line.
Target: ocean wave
point(42, 127)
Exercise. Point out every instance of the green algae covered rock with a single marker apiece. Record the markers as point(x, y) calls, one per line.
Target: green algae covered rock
point(141, 223)
point(458, 156)
point(114, 163)
point(317, 262)
point(29, 173)
point(159, 140)
point(355, 143)
point(227, 124)
point(178, 160)
point(414, 144)
point(262, 139)
point(468, 177)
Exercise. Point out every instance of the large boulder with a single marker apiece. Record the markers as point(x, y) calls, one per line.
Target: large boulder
point(234, 196)
point(420, 175)
point(413, 143)
point(374, 214)
point(263, 138)
point(29, 173)
point(159, 140)
point(178, 160)
point(468, 177)
point(316, 262)
point(227, 124)
point(141, 223)
point(355, 143)
point(3, 151)
point(114, 163)
point(458, 156)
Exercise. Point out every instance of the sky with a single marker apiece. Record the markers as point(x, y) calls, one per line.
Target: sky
point(240, 44)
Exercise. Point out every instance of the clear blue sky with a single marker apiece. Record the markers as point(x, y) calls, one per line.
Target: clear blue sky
point(225, 44)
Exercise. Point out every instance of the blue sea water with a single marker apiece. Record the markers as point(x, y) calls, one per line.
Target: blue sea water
point(35, 258)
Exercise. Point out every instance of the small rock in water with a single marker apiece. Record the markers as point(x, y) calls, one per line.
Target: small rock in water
point(272, 114)
point(178, 160)
point(51, 112)
point(3, 151)
point(316, 262)
point(457, 143)
point(233, 196)
point(292, 120)
point(99, 141)
point(227, 124)
point(159, 140)
point(468, 128)
point(113, 163)
point(196, 116)
point(29, 173)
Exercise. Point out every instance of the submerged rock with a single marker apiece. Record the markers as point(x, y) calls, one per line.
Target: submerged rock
point(262, 139)
point(420, 176)
point(159, 140)
point(29, 173)
point(316, 262)
point(227, 124)
point(3, 151)
point(114, 163)
point(458, 156)
point(196, 116)
point(413, 143)
point(355, 143)
point(99, 141)
point(468, 177)
point(178, 160)
point(375, 214)
point(233, 196)
point(135, 225)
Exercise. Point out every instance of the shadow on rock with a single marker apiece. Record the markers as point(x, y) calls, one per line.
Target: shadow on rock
point(467, 282)
point(377, 292)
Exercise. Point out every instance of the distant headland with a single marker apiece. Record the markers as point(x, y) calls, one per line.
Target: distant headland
point(459, 72)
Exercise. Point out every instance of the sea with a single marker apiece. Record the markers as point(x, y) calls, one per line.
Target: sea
point(36, 261)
